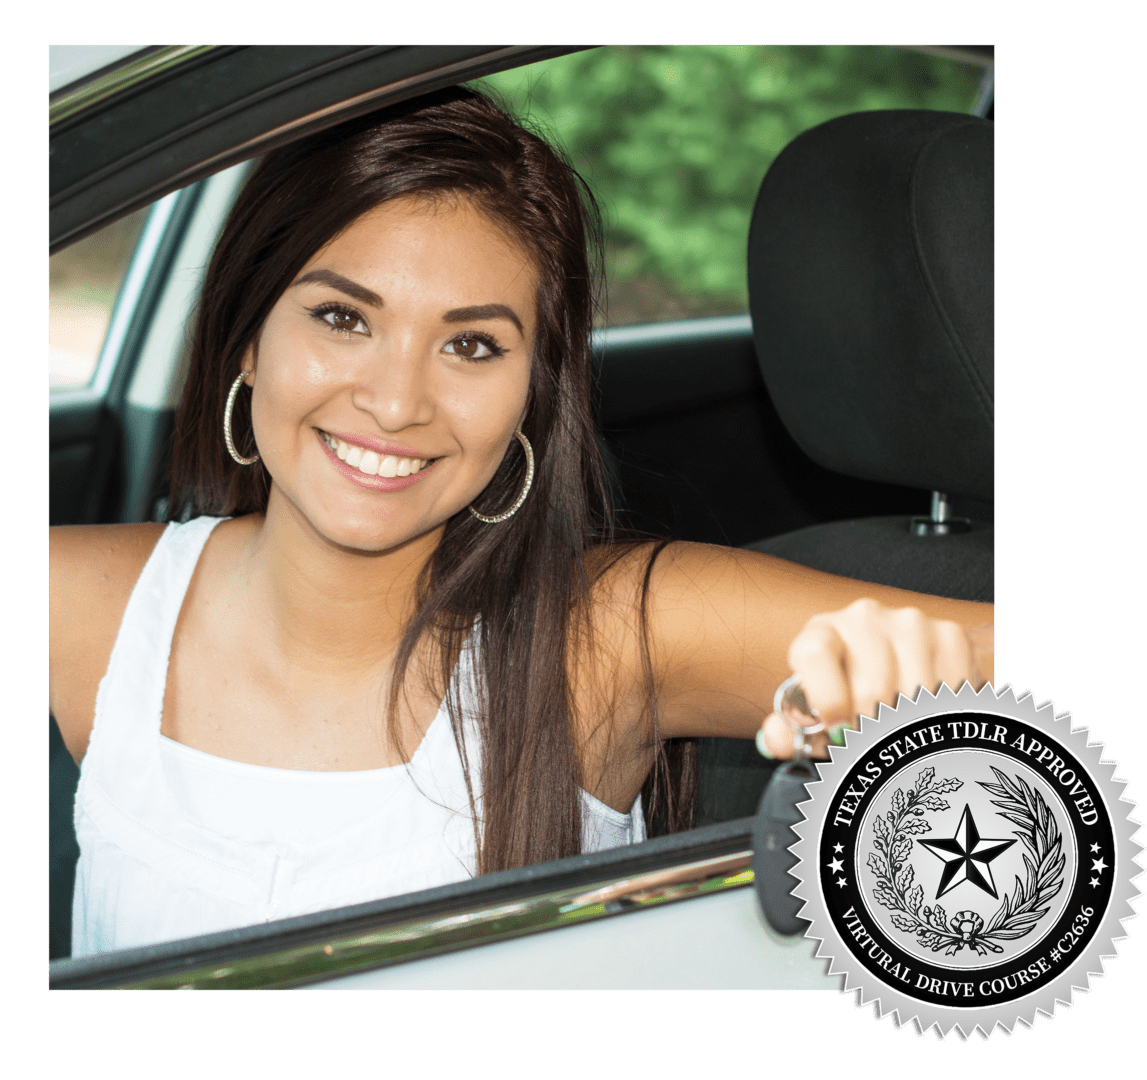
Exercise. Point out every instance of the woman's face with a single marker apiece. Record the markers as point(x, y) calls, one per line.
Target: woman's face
point(390, 376)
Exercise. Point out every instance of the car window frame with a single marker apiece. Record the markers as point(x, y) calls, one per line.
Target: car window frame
point(480, 911)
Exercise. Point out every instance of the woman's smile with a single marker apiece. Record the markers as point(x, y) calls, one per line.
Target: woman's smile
point(375, 468)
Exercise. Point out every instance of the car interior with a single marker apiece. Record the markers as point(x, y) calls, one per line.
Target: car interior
point(851, 408)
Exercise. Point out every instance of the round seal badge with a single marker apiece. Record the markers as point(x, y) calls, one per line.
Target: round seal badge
point(965, 860)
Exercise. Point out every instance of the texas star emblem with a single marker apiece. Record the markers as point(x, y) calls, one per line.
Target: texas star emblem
point(965, 860)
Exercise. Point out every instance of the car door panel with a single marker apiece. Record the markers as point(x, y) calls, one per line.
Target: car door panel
point(543, 908)
point(83, 462)
point(718, 942)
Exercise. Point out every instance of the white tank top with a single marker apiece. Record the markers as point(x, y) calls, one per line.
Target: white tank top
point(175, 842)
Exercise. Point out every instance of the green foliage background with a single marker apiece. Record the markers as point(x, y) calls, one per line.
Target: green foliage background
point(674, 141)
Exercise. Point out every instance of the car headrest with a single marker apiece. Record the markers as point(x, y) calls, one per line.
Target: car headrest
point(870, 289)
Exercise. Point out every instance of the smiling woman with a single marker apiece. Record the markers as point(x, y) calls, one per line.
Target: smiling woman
point(388, 638)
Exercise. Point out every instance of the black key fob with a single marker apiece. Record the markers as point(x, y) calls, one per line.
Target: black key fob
point(772, 836)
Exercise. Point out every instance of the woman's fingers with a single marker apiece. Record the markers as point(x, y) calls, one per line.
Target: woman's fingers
point(912, 639)
point(818, 655)
point(780, 739)
point(872, 660)
point(846, 661)
point(850, 661)
point(983, 642)
point(955, 657)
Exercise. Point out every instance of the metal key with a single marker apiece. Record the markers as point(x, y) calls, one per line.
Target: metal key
point(777, 813)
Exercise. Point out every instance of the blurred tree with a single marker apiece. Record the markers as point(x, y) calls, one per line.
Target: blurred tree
point(674, 141)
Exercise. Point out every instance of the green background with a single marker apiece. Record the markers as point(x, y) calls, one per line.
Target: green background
point(674, 141)
point(1070, 588)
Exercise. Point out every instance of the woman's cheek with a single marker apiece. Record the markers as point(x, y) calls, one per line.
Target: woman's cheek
point(486, 412)
point(317, 372)
point(290, 388)
point(310, 365)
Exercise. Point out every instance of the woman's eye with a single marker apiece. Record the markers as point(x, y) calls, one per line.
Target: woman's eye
point(474, 347)
point(342, 320)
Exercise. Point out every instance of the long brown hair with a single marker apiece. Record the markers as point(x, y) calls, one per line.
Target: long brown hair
point(522, 585)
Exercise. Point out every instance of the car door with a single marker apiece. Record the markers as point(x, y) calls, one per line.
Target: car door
point(675, 376)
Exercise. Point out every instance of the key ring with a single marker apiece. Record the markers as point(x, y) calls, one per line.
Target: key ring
point(791, 703)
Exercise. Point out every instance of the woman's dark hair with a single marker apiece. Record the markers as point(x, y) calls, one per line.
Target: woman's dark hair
point(522, 583)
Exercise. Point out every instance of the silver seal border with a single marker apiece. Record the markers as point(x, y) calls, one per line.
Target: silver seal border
point(1075, 975)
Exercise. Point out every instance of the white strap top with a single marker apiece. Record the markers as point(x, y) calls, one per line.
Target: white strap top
point(175, 842)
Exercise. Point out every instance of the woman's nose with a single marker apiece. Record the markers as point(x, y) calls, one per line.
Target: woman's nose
point(395, 388)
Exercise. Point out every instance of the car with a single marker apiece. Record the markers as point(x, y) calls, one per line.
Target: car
point(155, 144)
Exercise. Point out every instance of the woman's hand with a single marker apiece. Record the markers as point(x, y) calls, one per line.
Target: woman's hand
point(851, 660)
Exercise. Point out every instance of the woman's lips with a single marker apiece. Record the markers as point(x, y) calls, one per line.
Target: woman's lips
point(371, 469)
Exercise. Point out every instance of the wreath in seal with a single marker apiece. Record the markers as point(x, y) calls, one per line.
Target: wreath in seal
point(1029, 901)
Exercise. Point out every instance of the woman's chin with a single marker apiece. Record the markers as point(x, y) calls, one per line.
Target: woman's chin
point(371, 536)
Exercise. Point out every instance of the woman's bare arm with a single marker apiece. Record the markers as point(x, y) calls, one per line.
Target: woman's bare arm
point(92, 571)
point(727, 626)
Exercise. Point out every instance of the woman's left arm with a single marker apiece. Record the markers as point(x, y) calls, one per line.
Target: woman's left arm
point(727, 626)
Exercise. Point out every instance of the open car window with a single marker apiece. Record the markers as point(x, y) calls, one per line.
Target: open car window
point(674, 142)
point(84, 281)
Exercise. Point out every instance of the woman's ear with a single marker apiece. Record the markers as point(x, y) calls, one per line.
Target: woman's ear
point(248, 365)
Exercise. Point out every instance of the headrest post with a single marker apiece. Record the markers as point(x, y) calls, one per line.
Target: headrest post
point(941, 522)
point(941, 508)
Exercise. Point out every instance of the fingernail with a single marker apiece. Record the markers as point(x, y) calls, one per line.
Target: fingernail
point(836, 735)
point(763, 747)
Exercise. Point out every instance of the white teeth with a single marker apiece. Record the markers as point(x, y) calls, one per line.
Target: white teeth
point(371, 463)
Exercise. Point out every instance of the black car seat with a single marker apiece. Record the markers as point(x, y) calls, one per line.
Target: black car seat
point(870, 264)
point(870, 290)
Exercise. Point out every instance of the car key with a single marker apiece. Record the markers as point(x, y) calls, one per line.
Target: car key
point(773, 833)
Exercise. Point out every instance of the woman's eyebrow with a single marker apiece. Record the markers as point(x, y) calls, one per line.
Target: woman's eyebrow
point(336, 281)
point(483, 311)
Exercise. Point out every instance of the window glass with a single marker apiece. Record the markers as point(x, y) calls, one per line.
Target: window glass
point(674, 141)
point(84, 280)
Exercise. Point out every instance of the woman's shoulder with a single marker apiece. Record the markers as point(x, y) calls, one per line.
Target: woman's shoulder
point(92, 571)
point(92, 566)
point(114, 547)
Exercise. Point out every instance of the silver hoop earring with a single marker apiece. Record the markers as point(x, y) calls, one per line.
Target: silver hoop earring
point(525, 488)
point(227, 424)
